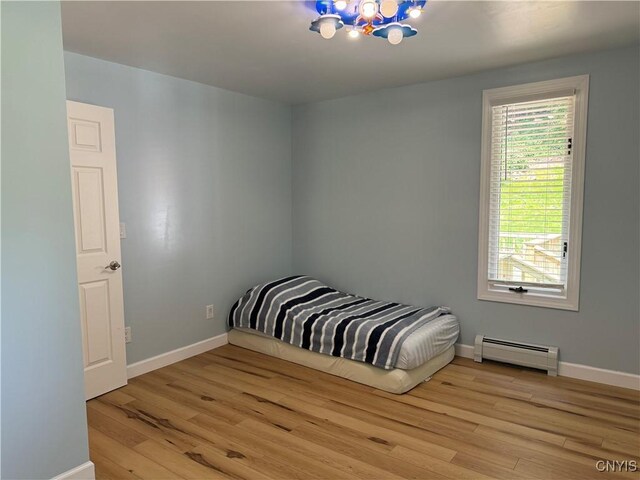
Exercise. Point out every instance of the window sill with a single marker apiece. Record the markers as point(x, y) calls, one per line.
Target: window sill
point(530, 299)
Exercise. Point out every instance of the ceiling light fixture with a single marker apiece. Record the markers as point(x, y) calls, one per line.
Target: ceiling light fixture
point(340, 4)
point(368, 8)
point(415, 12)
point(326, 25)
point(380, 18)
point(394, 32)
point(395, 35)
point(388, 8)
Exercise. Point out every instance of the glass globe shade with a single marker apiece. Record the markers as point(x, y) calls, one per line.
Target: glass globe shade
point(415, 12)
point(327, 30)
point(395, 36)
point(340, 4)
point(368, 8)
point(353, 33)
point(388, 8)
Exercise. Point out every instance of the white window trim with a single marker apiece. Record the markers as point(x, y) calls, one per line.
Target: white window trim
point(569, 299)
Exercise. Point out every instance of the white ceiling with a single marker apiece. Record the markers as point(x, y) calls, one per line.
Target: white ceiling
point(265, 48)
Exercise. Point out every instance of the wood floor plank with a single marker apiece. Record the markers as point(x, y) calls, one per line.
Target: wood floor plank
point(435, 466)
point(310, 467)
point(198, 402)
point(127, 458)
point(456, 397)
point(505, 376)
point(124, 434)
point(632, 449)
point(450, 439)
point(546, 454)
point(241, 365)
point(343, 463)
point(119, 397)
point(609, 417)
point(454, 374)
point(554, 388)
point(281, 367)
point(233, 413)
point(545, 472)
point(600, 453)
point(266, 388)
point(218, 445)
point(284, 385)
point(577, 423)
point(396, 407)
point(572, 384)
point(496, 367)
point(180, 463)
point(481, 465)
point(535, 418)
point(453, 383)
point(242, 403)
point(142, 391)
point(212, 388)
point(601, 399)
point(373, 432)
point(137, 420)
point(236, 466)
point(107, 469)
point(511, 423)
point(387, 464)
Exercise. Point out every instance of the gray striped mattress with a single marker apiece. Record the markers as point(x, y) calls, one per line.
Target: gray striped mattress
point(304, 312)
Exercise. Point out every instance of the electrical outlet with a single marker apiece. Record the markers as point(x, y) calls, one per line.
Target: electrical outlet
point(209, 312)
point(127, 334)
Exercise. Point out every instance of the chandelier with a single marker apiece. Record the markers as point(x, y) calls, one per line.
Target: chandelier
point(380, 18)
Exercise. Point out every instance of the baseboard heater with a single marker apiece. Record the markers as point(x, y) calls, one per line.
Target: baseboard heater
point(525, 354)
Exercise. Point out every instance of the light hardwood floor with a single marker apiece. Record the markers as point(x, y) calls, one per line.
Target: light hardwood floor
point(233, 413)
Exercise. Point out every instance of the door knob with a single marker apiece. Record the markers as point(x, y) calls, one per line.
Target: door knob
point(113, 265)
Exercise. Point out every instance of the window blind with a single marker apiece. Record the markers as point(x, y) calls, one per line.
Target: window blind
point(530, 192)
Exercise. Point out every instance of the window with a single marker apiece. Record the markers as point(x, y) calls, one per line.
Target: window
point(533, 148)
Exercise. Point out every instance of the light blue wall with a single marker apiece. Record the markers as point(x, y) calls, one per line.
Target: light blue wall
point(44, 430)
point(385, 196)
point(204, 180)
point(385, 191)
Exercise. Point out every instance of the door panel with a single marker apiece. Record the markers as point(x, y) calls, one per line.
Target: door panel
point(91, 228)
point(86, 135)
point(94, 305)
point(97, 224)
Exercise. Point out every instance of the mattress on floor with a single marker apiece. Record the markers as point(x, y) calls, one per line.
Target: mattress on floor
point(395, 380)
point(427, 342)
point(307, 313)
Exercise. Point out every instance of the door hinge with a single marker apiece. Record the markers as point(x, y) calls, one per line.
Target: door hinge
point(565, 246)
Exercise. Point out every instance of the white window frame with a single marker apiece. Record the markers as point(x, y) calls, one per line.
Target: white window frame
point(569, 297)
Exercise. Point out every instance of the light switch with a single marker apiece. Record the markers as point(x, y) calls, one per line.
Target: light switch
point(123, 230)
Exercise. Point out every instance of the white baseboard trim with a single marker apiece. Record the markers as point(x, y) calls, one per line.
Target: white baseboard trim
point(600, 375)
point(579, 371)
point(176, 355)
point(464, 351)
point(86, 471)
point(565, 369)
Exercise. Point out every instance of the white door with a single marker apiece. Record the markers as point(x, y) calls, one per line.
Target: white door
point(95, 202)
